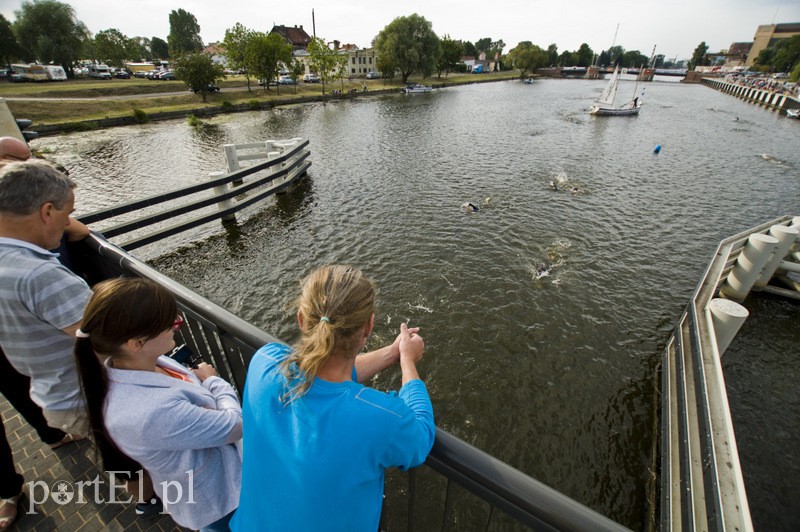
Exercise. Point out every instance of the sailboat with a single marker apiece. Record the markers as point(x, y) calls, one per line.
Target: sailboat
point(605, 104)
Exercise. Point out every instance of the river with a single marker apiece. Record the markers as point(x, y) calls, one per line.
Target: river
point(555, 376)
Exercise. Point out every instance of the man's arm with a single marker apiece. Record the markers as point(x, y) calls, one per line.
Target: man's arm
point(76, 230)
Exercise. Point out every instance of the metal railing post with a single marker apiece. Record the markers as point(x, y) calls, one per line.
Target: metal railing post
point(225, 204)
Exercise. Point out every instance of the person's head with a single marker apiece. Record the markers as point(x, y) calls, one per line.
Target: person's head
point(13, 150)
point(125, 317)
point(335, 311)
point(37, 199)
point(125, 314)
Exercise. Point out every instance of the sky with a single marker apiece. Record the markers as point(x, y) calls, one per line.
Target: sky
point(674, 27)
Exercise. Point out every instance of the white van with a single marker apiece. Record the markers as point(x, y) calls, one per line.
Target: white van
point(99, 72)
point(55, 72)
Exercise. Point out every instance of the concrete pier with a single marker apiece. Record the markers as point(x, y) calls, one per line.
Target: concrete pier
point(764, 97)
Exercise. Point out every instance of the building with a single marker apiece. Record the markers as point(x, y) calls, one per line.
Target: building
point(296, 36)
point(737, 54)
point(362, 62)
point(768, 34)
point(217, 52)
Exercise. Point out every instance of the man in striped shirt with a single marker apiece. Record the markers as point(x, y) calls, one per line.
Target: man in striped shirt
point(41, 301)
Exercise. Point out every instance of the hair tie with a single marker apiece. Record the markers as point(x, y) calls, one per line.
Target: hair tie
point(325, 318)
point(80, 334)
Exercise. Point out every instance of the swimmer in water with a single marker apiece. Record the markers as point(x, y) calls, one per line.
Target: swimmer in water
point(576, 190)
point(542, 271)
point(553, 185)
point(470, 207)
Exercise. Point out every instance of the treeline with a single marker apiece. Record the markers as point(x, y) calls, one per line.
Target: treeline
point(528, 57)
point(48, 31)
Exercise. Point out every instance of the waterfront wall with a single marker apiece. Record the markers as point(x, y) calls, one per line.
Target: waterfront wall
point(773, 100)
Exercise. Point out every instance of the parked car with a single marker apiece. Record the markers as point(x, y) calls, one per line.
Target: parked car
point(311, 78)
point(121, 73)
point(373, 75)
point(285, 80)
point(140, 74)
point(209, 88)
point(167, 76)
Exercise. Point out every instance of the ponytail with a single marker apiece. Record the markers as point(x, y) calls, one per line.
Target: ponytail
point(335, 304)
point(94, 387)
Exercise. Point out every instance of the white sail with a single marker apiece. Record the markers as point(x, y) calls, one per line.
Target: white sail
point(610, 92)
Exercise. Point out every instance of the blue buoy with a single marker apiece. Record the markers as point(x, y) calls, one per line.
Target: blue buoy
point(657, 149)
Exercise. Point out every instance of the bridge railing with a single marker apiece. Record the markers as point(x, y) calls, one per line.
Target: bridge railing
point(702, 487)
point(228, 342)
point(193, 206)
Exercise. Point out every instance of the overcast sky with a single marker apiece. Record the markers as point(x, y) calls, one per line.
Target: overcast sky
point(676, 27)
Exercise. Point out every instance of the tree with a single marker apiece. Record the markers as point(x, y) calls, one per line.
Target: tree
point(264, 53)
point(483, 45)
point(634, 59)
point(451, 55)
point(615, 54)
point(527, 57)
point(604, 59)
point(324, 61)
point(184, 33)
point(552, 55)
point(699, 56)
point(236, 40)
point(469, 49)
point(159, 48)
point(142, 48)
point(782, 56)
point(585, 55)
point(409, 44)
point(198, 71)
point(113, 48)
point(566, 59)
point(296, 70)
point(48, 32)
point(10, 49)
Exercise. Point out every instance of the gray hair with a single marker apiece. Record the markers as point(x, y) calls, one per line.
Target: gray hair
point(26, 186)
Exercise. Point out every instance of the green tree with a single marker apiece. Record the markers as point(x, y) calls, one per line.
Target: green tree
point(409, 44)
point(325, 61)
point(48, 32)
point(236, 40)
point(159, 48)
point(296, 70)
point(552, 55)
point(567, 59)
point(184, 33)
point(782, 56)
point(699, 56)
point(483, 45)
point(264, 54)
point(143, 49)
point(527, 57)
point(113, 48)
point(10, 50)
point(615, 54)
point(469, 49)
point(604, 59)
point(451, 55)
point(198, 71)
point(584, 55)
point(634, 59)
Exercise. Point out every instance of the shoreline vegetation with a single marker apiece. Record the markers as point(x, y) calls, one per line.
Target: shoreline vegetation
point(85, 105)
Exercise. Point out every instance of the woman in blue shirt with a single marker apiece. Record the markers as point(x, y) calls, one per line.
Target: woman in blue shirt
point(316, 442)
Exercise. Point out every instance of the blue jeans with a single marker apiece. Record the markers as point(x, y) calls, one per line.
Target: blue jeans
point(220, 525)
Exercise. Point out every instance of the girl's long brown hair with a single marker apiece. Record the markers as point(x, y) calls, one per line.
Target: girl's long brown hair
point(119, 310)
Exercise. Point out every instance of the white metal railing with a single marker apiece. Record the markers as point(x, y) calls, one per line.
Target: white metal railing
point(702, 486)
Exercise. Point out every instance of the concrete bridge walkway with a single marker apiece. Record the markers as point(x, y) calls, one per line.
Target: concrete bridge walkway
point(53, 475)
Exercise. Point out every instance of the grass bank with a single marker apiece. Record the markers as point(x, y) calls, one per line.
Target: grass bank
point(106, 103)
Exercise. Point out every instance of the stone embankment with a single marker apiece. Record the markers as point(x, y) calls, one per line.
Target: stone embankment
point(770, 99)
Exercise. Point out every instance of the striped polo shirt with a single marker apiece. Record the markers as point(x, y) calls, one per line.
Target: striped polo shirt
point(38, 298)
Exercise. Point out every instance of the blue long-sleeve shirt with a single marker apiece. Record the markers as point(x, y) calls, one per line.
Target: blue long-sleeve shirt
point(317, 463)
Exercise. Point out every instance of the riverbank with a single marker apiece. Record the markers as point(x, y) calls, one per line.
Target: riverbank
point(88, 105)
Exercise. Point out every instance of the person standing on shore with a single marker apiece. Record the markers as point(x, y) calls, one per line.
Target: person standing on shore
point(316, 441)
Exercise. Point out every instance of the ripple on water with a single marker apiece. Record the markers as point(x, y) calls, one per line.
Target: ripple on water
point(552, 375)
